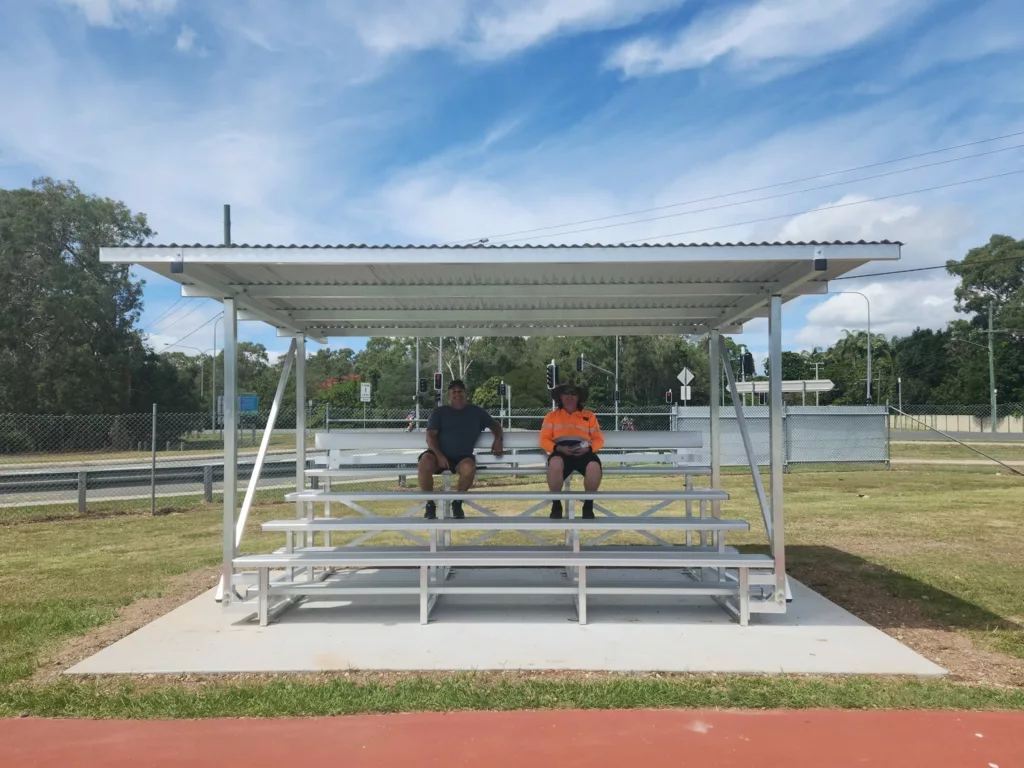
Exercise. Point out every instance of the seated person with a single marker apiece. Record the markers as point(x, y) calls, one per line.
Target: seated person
point(572, 437)
point(452, 432)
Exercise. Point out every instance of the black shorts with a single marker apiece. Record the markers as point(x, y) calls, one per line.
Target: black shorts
point(453, 461)
point(575, 463)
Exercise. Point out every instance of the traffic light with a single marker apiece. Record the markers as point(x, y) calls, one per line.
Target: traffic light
point(668, 396)
point(579, 363)
point(438, 381)
point(552, 375)
point(616, 395)
point(501, 389)
point(748, 364)
point(423, 385)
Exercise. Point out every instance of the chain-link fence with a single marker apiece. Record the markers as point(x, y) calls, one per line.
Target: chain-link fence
point(63, 466)
point(960, 418)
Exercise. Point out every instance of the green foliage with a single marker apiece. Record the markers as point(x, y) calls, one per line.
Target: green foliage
point(68, 342)
point(340, 393)
point(486, 395)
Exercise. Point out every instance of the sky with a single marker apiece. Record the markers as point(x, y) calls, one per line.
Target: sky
point(435, 121)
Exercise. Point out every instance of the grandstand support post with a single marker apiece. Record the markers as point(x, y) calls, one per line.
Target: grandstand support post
point(615, 394)
point(776, 437)
point(230, 446)
point(300, 418)
point(715, 360)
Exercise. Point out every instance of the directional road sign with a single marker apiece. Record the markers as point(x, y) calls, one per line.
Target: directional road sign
point(685, 376)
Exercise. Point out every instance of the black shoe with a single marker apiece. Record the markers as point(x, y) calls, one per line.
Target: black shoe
point(457, 512)
point(556, 510)
point(431, 513)
point(588, 510)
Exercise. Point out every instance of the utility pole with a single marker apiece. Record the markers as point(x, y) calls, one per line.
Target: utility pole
point(816, 394)
point(991, 369)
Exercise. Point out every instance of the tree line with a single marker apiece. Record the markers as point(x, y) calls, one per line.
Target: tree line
point(70, 341)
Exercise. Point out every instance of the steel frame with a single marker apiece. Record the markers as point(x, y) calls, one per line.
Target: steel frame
point(771, 508)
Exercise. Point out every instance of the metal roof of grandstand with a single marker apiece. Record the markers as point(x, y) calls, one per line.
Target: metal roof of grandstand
point(499, 289)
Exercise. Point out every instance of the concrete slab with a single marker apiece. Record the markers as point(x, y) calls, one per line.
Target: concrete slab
point(625, 634)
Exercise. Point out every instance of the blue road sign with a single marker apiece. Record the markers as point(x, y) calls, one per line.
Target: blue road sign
point(248, 403)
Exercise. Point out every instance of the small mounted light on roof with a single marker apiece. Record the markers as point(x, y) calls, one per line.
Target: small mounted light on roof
point(178, 266)
point(820, 265)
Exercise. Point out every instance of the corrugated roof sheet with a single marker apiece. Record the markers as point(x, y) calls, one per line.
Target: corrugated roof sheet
point(527, 245)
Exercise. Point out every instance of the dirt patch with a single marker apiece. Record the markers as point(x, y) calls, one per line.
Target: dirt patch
point(903, 619)
point(176, 591)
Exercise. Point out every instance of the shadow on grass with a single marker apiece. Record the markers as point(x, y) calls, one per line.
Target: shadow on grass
point(884, 597)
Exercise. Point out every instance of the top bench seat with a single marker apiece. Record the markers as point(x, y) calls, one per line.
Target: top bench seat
point(355, 440)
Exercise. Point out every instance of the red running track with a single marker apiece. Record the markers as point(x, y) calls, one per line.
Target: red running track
point(630, 739)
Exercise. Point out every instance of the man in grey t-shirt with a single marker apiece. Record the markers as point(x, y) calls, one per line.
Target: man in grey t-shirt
point(452, 432)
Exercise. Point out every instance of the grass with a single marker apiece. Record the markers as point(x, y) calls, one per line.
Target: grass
point(948, 544)
point(449, 693)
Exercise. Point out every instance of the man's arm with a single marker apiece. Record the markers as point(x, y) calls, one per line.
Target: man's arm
point(497, 448)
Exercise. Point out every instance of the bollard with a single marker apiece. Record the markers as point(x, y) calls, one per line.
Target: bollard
point(82, 481)
point(401, 481)
point(208, 483)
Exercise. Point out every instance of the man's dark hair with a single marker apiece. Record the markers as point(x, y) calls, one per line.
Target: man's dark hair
point(456, 384)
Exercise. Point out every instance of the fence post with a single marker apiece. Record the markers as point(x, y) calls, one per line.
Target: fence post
point(152, 471)
point(82, 483)
point(208, 483)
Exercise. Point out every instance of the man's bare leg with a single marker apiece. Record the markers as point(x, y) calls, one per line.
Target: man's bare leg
point(425, 470)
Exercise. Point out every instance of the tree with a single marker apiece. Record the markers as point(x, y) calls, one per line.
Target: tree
point(486, 395)
point(992, 274)
point(340, 393)
point(68, 342)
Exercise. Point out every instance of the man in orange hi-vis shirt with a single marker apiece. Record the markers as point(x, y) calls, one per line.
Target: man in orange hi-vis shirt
point(571, 437)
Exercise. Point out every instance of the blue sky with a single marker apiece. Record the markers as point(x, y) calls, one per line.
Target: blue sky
point(442, 120)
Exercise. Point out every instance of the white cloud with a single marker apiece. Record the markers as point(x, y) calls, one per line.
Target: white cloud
point(983, 30)
point(113, 13)
point(477, 29)
point(186, 40)
point(897, 308)
point(764, 33)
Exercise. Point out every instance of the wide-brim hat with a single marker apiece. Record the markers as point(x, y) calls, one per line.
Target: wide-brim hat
point(557, 392)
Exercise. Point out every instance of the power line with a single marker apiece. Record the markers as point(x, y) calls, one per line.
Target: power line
point(178, 341)
point(768, 197)
point(166, 312)
point(923, 269)
point(198, 306)
point(744, 191)
point(826, 207)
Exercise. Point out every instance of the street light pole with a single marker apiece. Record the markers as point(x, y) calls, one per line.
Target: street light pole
point(868, 399)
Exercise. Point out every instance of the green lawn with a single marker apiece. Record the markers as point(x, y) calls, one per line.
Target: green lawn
point(948, 545)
